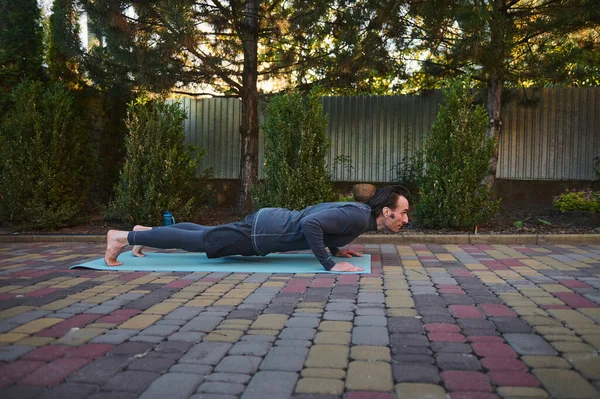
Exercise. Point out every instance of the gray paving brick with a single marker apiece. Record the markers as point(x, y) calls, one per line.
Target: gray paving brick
point(184, 313)
point(170, 322)
point(228, 388)
point(202, 323)
point(409, 340)
point(370, 297)
point(201, 369)
point(209, 353)
point(130, 381)
point(370, 336)
point(261, 386)
point(338, 316)
point(13, 352)
point(370, 311)
point(239, 364)
point(258, 338)
point(229, 377)
point(156, 364)
point(5, 327)
point(250, 348)
point(213, 396)
point(423, 373)
point(451, 347)
point(404, 358)
point(188, 336)
point(457, 361)
point(173, 386)
point(100, 370)
point(512, 325)
point(159, 331)
point(282, 358)
point(306, 322)
point(114, 337)
point(132, 349)
point(146, 338)
point(171, 349)
point(103, 309)
point(27, 317)
point(375, 321)
point(405, 325)
point(71, 390)
point(293, 342)
point(529, 344)
point(340, 307)
point(298, 333)
point(21, 391)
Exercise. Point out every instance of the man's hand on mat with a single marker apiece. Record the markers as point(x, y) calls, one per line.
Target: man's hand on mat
point(346, 267)
point(347, 253)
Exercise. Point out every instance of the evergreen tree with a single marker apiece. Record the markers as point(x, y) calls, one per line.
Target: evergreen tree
point(21, 39)
point(64, 50)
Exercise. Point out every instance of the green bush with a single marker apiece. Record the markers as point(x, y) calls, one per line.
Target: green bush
point(159, 172)
point(46, 159)
point(456, 156)
point(585, 200)
point(295, 147)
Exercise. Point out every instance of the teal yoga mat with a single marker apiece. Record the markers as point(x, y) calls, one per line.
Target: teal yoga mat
point(198, 262)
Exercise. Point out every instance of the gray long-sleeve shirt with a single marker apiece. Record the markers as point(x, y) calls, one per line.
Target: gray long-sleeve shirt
point(328, 225)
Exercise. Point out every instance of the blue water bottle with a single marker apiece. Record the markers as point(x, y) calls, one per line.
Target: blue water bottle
point(168, 218)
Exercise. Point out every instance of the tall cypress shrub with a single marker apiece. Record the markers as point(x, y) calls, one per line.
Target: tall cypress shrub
point(159, 172)
point(456, 155)
point(47, 159)
point(296, 144)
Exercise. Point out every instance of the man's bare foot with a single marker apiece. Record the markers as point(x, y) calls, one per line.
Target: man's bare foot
point(115, 241)
point(137, 249)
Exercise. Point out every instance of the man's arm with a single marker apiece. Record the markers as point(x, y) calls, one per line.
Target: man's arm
point(343, 221)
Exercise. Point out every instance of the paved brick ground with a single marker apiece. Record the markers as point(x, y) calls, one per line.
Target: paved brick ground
point(435, 321)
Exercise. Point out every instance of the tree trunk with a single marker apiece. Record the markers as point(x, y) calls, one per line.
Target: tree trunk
point(494, 108)
point(249, 94)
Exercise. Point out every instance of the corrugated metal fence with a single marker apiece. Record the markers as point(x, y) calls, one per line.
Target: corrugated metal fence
point(548, 134)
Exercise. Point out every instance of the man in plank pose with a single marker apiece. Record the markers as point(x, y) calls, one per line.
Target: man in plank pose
point(328, 225)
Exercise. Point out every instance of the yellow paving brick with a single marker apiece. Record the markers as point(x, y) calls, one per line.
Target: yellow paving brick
point(200, 302)
point(542, 321)
point(570, 316)
point(328, 356)
point(370, 353)
point(556, 330)
point(399, 302)
point(9, 338)
point(15, 311)
point(369, 376)
point(401, 312)
point(36, 326)
point(333, 337)
point(547, 301)
point(316, 372)
point(419, 390)
point(573, 347)
point(274, 284)
point(342, 326)
point(270, 322)
point(319, 305)
point(586, 364)
point(162, 308)
point(320, 386)
point(224, 335)
point(71, 282)
point(238, 293)
point(140, 322)
point(522, 392)
point(59, 304)
point(9, 288)
point(593, 340)
point(555, 288)
point(593, 313)
point(529, 311)
point(229, 301)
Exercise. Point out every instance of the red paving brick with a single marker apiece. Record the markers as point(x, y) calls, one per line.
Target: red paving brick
point(450, 291)
point(472, 395)
point(126, 312)
point(90, 350)
point(179, 284)
point(574, 284)
point(55, 372)
point(466, 381)
point(41, 292)
point(77, 321)
point(348, 279)
point(466, 311)
point(48, 353)
point(485, 338)
point(492, 349)
point(575, 300)
point(18, 369)
point(513, 378)
point(491, 309)
point(323, 282)
point(503, 363)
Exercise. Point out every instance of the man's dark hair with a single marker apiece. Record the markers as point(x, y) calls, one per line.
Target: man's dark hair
point(387, 196)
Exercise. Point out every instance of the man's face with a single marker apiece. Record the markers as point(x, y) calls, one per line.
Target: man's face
point(394, 219)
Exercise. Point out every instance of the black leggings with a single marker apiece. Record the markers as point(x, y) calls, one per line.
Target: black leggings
point(216, 241)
